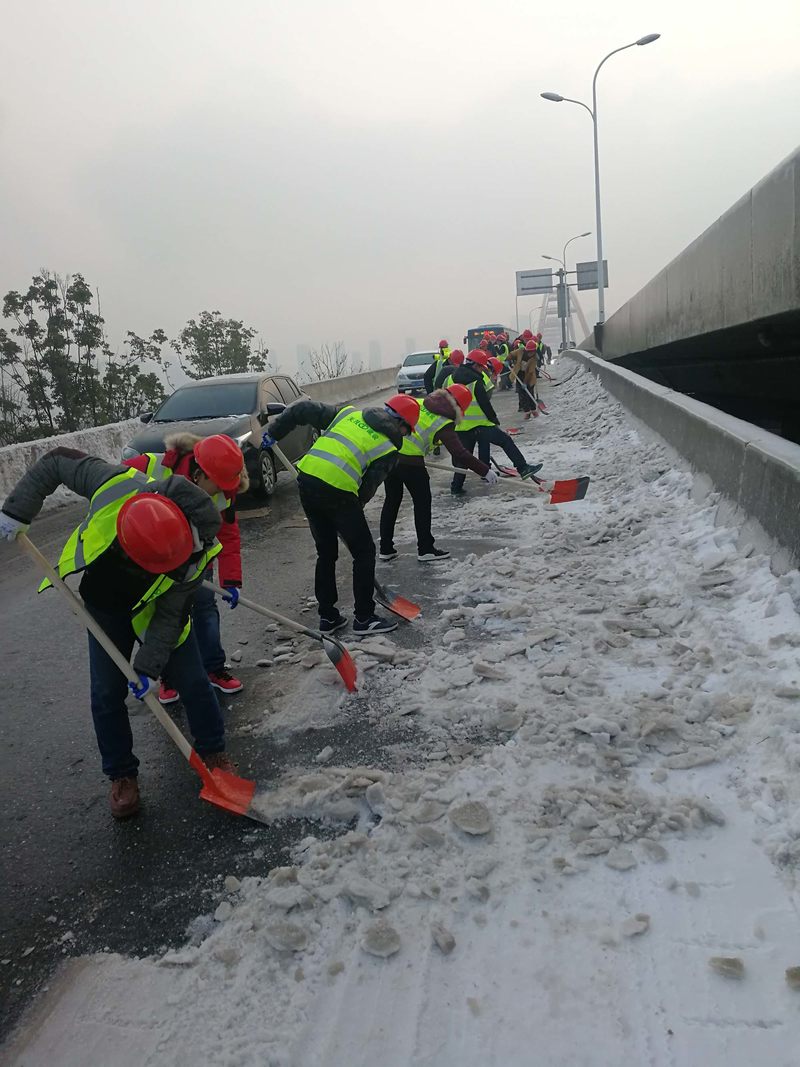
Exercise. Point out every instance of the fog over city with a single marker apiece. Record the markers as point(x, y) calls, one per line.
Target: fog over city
point(372, 173)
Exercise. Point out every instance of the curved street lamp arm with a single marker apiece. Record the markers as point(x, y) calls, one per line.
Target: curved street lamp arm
point(597, 71)
point(580, 103)
point(577, 237)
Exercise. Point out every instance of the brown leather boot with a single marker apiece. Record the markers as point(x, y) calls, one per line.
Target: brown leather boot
point(124, 799)
point(220, 761)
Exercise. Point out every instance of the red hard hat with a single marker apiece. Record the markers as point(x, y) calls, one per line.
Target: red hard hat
point(154, 532)
point(502, 336)
point(538, 336)
point(526, 333)
point(456, 357)
point(495, 364)
point(221, 459)
point(483, 344)
point(406, 407)
point(530, 346)
point(461, 395)
point(477, 355)
point(443, 344)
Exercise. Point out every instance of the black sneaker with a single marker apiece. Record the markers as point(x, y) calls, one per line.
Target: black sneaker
point(387, 557)
point(433, 555)
point(373, 625)
point(458, 490)
point(530, 469)
point(327, 626)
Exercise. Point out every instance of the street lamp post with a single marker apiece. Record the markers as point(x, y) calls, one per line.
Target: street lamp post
point(562, 276)
point(557, 98)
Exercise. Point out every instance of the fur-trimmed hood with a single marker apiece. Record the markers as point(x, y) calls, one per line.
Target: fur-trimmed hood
point(182, 443)
point(444, 404)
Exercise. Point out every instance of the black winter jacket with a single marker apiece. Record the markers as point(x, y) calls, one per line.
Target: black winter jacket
point(320, 416)
point(112, 575)
point(466, 375)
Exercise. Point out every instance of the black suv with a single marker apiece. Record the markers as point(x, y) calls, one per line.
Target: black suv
point(238, 405)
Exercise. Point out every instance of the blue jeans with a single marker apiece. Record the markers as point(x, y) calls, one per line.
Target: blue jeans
point(109, 690)
point(205, 622)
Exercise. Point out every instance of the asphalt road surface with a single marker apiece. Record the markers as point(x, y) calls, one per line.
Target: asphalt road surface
point(74, 881)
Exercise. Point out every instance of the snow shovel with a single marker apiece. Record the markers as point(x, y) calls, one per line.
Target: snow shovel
point(334, 650)
point(222, 788)
point(507, 472)
point(561, 492)
point(393, 602)
point(539, 403)
point(406, 609)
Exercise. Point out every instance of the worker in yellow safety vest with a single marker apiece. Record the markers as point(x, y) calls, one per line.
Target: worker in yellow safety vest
point(339, 474)
point(141, 549)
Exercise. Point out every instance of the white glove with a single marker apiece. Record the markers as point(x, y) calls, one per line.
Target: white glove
point(491, 477)
point(9, 528)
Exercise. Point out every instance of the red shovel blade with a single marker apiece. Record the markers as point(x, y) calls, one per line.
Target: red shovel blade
point(342, 661)
point(224, 789)
point(406, 609)
point(541, 406)
point(514, 431)
point(570, 489)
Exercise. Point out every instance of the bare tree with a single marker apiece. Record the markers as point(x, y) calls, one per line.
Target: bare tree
point(330, 360)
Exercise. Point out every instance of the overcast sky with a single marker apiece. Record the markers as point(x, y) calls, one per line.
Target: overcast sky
point(360, 170)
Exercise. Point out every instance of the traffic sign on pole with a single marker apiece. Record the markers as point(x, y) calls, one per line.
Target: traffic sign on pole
point(531, 282)
point(587, 274)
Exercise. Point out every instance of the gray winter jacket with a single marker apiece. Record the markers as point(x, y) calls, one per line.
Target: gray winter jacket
point(84, 475)
point(320, 416)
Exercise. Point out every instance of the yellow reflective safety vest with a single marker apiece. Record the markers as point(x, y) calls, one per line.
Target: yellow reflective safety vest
point(488, 384)
point(97, 533)
point(159, 472)
point(474, 415)
point(341, 455)
point(502, 352)
point(421, 439)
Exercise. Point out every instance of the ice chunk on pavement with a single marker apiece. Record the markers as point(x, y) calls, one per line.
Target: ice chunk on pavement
point(621, 859)
point(381, 939)
point(638, 924)
point(445, 941)
point(727, 966)
point(472, 817)
point(363, 893)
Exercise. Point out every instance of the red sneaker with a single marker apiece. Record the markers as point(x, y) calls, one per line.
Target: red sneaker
point(167, 695)
point(225, 681)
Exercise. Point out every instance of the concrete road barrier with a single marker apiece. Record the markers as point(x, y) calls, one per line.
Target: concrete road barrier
point(352, 386)
point(108, 441)
point(758, 472)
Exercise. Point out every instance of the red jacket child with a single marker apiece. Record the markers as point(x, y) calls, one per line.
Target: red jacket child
point(179, 459)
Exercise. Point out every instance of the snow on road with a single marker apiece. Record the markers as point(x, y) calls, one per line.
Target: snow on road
point(604, 800)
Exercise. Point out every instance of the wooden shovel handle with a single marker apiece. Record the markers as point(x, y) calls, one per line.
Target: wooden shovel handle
point(102, 638)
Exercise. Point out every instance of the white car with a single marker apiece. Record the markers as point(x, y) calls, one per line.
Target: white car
point(411, 374)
